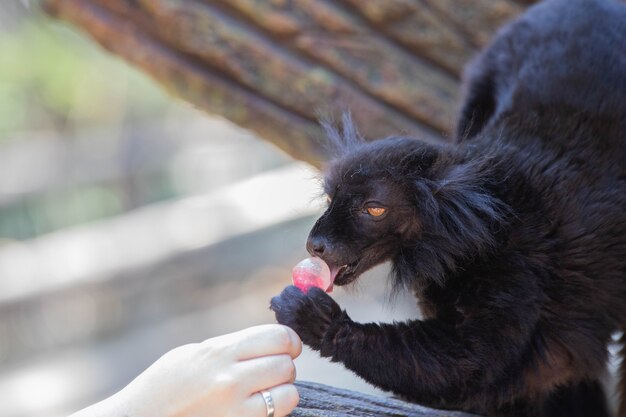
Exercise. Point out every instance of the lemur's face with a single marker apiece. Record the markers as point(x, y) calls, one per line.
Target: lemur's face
point(366, 221)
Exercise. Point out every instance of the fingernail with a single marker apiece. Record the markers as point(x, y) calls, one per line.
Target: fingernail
point(295, 339)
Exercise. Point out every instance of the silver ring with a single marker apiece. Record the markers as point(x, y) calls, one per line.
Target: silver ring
point(269, 402)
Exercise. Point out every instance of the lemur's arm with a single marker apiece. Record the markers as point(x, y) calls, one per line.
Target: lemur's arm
point(429, 361)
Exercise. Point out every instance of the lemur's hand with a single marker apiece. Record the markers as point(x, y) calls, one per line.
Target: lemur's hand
point(315, 316)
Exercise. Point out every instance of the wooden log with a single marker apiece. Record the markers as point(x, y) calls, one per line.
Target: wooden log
point(249, 57)
point(361, 54)
point(418, 28)
point(181, 76)
point(318, 400)
point(477, 20)
point(275, 66)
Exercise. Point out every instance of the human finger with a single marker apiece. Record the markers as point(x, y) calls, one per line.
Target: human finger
point(266, 371)
point(268, 339)
point(284, 399)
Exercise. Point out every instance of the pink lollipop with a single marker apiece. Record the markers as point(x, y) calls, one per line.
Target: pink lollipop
point(312, 272)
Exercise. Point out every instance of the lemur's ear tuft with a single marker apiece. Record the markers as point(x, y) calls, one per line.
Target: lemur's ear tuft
point(341, 138)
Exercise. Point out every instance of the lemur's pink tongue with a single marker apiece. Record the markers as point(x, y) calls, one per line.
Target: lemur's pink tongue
point(334, 271)
point(313, 272)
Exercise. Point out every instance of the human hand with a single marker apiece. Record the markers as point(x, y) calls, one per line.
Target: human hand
point(312, 314)
point(220, 377)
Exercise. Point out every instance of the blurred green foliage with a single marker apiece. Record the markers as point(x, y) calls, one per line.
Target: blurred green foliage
point(43, 213)
point(28, 218)
point(57, 82)
point(53, 78)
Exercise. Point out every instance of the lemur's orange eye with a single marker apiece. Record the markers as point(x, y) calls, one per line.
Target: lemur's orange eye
point(376, 211)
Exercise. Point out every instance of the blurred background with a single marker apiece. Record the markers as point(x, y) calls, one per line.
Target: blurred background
point(131, 223)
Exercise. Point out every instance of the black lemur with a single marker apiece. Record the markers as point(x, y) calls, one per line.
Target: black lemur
point(513, 238)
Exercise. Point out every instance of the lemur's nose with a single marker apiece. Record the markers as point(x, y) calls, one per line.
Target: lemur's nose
point(316, 246)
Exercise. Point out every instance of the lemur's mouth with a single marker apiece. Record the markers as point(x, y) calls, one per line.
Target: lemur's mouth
point(344, 274)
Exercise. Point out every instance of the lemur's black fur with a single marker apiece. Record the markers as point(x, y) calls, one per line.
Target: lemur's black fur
point(513, 238)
